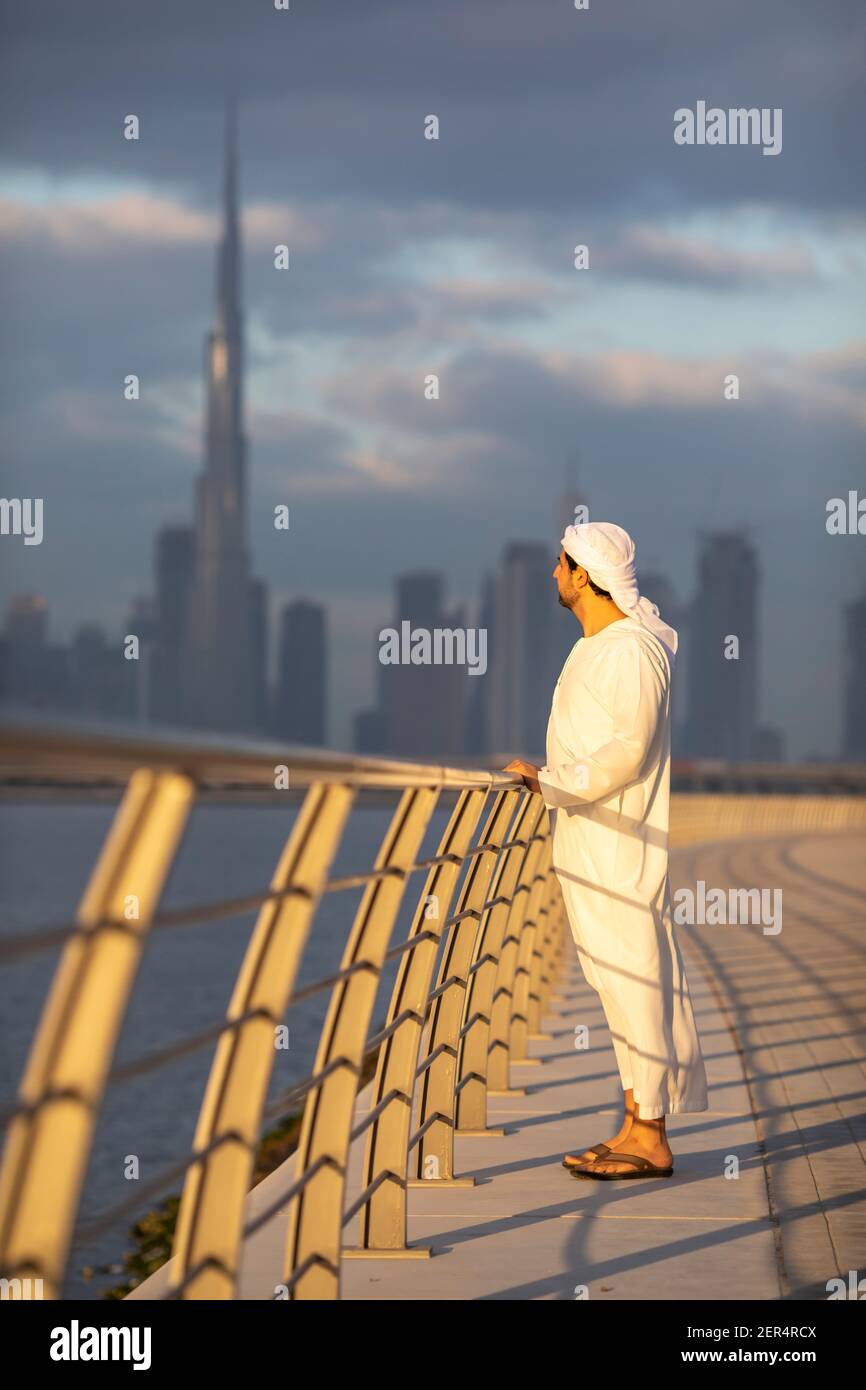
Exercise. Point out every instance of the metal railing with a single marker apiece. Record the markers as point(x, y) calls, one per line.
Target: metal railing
point(472, 982)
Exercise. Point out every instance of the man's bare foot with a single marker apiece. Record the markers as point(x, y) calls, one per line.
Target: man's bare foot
point(587, 1156)
point(646, 1139)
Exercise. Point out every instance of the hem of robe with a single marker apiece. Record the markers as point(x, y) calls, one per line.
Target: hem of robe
point(690, 1098)
point(676, 1107)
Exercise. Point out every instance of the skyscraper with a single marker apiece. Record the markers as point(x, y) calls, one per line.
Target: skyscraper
point(478, 702)
point(33, 671)
point(532, 635)
point(223, 647)
point(658, 589)
point(175, 558)
point(299, 704)
point(142, 623)
point(260, 710)
point(370, 726)
point(423, 707)
point(723, 688)
point(103, 682)
point(27, 620)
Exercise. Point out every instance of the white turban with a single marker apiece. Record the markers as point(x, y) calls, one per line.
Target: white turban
point(606, 552)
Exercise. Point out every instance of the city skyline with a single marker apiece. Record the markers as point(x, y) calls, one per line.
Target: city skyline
point(454, 257)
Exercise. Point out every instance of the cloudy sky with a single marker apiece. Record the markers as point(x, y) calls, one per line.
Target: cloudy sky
point(411, 256)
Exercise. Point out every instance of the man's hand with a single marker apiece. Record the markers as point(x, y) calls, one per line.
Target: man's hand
point(528, 771)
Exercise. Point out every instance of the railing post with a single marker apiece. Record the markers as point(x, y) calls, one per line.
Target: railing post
point(474, 1042)
point(383, 1218)
point(314, 1238)
point(437, 1100)
point(209, 1224)
point(546, 959)
point(48, 1145)
point(525, 955)
point(498, 1074)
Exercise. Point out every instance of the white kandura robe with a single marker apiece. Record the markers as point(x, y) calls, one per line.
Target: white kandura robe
point(607, 786)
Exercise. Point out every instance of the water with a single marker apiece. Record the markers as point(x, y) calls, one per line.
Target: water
point(184, 982)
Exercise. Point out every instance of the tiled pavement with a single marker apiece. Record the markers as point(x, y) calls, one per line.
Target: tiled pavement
point(782, 1028)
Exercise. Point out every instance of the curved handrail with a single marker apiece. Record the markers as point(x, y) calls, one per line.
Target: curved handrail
point(70, 1063)
point(471, 985)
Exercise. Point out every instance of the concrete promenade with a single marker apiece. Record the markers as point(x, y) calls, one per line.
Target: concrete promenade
point(781, 1020)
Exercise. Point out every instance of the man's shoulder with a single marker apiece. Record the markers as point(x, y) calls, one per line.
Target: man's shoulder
point(636, 639)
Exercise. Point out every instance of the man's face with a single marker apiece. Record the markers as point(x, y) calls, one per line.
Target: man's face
point(564, 576)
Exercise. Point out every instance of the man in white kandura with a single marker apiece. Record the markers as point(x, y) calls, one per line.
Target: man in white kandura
point(607, 787)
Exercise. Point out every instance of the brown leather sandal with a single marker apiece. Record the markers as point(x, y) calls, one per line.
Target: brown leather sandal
point(643, 1168)
point(598, 1149)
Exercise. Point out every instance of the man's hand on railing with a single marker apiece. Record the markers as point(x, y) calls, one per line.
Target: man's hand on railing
point(528, 771)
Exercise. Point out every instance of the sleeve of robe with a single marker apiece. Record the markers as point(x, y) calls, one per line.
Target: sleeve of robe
point(632, 693)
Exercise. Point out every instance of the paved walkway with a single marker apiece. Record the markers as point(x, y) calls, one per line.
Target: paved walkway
point(795, 1010)
point(782, 1026)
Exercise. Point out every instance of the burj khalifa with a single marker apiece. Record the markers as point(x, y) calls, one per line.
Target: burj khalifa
point(225, 624)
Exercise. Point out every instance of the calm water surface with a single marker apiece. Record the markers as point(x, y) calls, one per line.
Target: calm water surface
point(185, 979)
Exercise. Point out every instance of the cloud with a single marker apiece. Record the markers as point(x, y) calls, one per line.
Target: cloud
point(299, 453)
point(91, 226)
point(517, 391)
point(277, 224)
point(88, 229)
point(541, 106)
point(649, 252)
point(493, 298)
